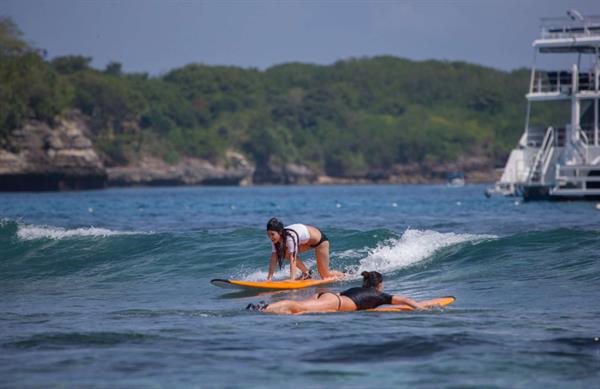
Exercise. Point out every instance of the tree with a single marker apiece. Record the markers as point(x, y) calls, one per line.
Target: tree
point(114, 68)
point(29, 88)
point(11, 42)
point(71, 64)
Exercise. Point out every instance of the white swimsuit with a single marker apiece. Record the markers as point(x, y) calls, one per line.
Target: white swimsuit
point(290, 242)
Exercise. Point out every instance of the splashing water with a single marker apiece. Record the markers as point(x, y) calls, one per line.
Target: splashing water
point(33, 232)
point(412, 247)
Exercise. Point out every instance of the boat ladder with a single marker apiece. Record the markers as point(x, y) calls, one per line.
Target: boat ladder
point(542, 160)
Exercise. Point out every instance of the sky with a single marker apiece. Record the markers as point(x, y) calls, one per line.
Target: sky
point(156, 36)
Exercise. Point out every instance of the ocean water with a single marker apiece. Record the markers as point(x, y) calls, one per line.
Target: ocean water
point(111, 288)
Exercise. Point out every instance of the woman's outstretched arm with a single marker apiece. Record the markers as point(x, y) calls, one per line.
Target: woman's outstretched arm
point(272, 265)
point(292, 259)
point(405, 300)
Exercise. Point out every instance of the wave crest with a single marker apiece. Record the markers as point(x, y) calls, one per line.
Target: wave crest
point(390, 255)
point(412, 247)
point(33, 232)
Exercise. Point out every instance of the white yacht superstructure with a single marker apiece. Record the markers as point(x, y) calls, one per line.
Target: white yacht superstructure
point(561, 161)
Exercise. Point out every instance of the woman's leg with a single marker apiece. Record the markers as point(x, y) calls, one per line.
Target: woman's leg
point(328, 302)
point(300, 265)
point(322, 254)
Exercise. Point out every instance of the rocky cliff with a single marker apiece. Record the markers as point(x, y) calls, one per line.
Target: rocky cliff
point(62, 157)
point(40, 157)
point(151, 171)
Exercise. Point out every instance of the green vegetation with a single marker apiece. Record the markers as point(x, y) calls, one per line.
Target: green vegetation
point(346, 119)
point(29, 89)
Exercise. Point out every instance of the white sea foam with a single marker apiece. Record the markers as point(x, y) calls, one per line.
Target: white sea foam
point(352, 253)
point(412, 247)
point(32, 232)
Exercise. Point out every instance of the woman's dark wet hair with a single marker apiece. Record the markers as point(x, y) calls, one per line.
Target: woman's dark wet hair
point(276, 225)
point(371, 279)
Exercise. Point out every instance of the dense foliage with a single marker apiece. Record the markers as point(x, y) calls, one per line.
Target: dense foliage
point(345, 119)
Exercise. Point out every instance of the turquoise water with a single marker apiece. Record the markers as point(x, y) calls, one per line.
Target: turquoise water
point(111, 289)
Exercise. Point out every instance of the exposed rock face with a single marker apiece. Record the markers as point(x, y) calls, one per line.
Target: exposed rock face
point(62, 157)
point(289, 173)
point(151, 171)
point(57, 158)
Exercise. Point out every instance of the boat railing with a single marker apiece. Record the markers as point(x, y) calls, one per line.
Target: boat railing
point(536, 136)
point(548, 158)
point(573, 178)
point(569, 27)
point(543, 158)
point(582, 145)
point(547, 153)
point(562, 82)
point(590, 135)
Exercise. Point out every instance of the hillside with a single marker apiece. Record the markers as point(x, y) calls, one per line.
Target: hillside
point(360, 118)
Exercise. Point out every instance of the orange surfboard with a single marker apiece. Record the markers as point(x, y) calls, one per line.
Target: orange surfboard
point(439, 302)
point(273, 285)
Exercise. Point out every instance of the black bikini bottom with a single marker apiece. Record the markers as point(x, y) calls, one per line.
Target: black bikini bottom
point(336, 295)
point(323, 239)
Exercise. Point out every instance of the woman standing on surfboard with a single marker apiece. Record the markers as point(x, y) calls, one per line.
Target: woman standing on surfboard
point(368, 296)
point(288, 242)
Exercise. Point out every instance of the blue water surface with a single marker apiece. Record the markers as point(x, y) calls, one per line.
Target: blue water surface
point(111, 289)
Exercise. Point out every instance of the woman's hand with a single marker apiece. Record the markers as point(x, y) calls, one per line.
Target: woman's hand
point(405, 300)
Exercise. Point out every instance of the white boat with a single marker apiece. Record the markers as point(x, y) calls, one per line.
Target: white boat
point(560, 160)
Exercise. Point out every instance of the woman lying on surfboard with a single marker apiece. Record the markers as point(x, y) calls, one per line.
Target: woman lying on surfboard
point(368, 296)
point(288, 242)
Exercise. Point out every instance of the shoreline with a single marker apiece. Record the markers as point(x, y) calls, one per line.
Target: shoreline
point(324, 183)
point(62, 157)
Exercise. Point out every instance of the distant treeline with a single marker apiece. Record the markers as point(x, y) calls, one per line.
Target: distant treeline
point(342, 119)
